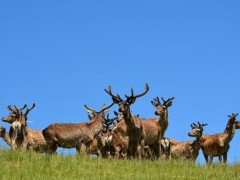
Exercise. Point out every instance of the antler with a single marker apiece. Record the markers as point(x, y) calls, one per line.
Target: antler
point(199, 125)
point(168, 102)
point(28, 110)
point(92, 111)
point(146, 90)
point(115, 98)
point(132, 98)
point(156, 102)
point(139, 95)
point(108, 121)
point(107, 108)
point(233, 115)
point(18, 110)
point(11, 108)
point(193, 125)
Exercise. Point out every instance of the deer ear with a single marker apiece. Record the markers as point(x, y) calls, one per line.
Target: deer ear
point(90, 111)
point(106, 110)
point(204, 124)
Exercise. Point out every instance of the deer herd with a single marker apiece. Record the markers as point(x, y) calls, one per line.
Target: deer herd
point(125, 136)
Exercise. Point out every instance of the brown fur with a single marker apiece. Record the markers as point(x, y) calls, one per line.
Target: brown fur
point(133, 125)
point(21, 136)
point(114, 142)
point(190, 149)
point(26, 138)
point(154, 128)
point(186, 150)
point(69, 135)
point(5, 135)
point(214, 145)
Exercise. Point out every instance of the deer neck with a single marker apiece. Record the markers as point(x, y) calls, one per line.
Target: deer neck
point(128, 118)
point(23, 119)
point(230, 130)
point(163, 121)
point(96, 126)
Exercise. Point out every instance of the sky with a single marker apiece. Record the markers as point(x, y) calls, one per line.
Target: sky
point(63, 54)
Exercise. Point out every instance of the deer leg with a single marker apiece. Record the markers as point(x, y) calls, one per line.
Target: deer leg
point(148, 152)
point(129, 151)
point(211, 159)
point(53, 148)
point(159, 146)
point(139, 151)
point(142, 147)
point(117, 151)
point(220, 158)
point(78, 148)
point(225, 157)
point(206, 157)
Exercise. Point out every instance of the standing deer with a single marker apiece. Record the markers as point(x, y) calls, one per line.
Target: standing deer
point(114, 141)
point(162, 112)
point(70, 135)
point(214, 145)
point(133, 125)
point(189, 149)
point(98, 145)
point(162, 124)
point(20, 135)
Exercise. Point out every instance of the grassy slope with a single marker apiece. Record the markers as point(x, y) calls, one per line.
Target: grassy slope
point(27, 165)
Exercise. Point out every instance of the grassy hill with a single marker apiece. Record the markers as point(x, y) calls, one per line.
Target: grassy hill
point(29, 165)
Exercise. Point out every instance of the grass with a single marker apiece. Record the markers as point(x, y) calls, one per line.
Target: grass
point(29, 165)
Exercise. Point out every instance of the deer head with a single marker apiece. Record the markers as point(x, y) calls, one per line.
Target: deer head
point(108, 122)
point(161, 107)
point(232, 122)
point(124, 105)
point(232, 117)
point(197, 129)
point(16, 114)
point(119, 116)
point(237, 124)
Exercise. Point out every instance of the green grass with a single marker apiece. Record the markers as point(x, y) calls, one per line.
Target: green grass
point(29, 165)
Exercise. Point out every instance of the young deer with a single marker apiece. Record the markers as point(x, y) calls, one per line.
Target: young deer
point(214, 145)
point(190, 149)
point(115, 141)
point(162, 112)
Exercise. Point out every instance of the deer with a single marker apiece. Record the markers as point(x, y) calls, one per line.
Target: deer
point(133, 124)
point(98, 144)
point(114, 141)
point(5, 135)
point(162, 123)
point(188, 150)
point(21, 136)
point(162, 112)
point(73, 135)
point(213, 145)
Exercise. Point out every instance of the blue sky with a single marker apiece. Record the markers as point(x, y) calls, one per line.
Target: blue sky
point(62, 54)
